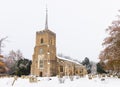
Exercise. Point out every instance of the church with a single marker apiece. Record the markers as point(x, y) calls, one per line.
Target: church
point(45, 62)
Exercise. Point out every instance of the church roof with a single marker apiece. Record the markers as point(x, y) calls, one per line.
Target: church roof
point(45, 31)
point(70, 60)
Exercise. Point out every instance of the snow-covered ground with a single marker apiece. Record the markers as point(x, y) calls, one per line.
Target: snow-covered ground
point(54, 82)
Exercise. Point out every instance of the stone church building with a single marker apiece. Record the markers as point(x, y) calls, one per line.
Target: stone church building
point(44, 59)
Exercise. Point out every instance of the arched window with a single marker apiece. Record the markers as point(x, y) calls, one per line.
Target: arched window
point(42, 40)
point(51, 42)
point(41, 62)
point(61, 68)
point(41, 51)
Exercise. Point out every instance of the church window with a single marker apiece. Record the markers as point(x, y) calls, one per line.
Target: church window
point(80, 71)
point(42, 40)
point(41, 51)
point(41, 64)
point(76, 72)
point(51, 42)
point(61, 68)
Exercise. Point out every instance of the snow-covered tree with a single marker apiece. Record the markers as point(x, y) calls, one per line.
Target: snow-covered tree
point(86, 62)
point(93, 67)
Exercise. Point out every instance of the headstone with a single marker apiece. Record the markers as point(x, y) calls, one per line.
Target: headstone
point(33, 79)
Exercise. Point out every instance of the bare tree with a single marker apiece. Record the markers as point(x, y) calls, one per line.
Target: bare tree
point(12, 60)
point(1, 43)
point(19, 55)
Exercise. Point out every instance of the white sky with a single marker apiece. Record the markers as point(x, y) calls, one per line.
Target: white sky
point(79, 24)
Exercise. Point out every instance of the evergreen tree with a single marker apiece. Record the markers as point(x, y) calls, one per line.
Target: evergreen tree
point(86, 62)
point(100, 68)
point(23, 67)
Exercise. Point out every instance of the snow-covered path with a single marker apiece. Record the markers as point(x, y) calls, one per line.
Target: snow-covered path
point(43, 82)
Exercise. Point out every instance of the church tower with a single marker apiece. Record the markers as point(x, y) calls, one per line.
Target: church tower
point(44, 56)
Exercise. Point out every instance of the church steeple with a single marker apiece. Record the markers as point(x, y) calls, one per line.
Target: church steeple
point(46, 21)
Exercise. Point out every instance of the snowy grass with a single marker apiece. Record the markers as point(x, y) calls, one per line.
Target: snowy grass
point(54, 82)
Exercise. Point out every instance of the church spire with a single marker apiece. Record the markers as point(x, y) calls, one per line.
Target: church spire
point(46, 21)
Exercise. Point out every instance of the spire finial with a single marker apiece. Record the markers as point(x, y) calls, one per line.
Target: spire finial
point(46, 21)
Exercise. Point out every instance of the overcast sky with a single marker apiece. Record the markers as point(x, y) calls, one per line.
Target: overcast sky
point(79, 25)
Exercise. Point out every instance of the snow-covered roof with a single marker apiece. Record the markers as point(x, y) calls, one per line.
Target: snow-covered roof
point(69, 59)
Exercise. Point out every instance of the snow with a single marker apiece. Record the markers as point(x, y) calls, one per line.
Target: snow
point(54, 82)
point(106, 61)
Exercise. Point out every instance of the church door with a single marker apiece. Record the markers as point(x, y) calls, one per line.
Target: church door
point(40, 74)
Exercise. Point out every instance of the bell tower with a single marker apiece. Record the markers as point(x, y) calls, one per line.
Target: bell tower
point(44, 56)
